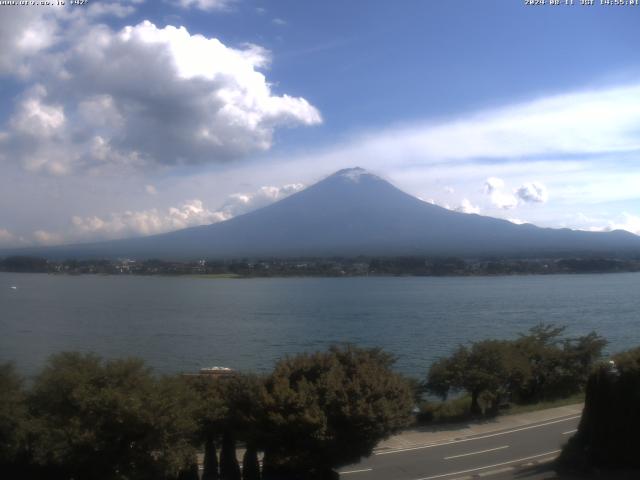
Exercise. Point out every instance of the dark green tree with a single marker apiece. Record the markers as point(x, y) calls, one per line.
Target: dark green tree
point(243, 398)
point(211, 415)
point(110, 420)
point(174, 408)
point(608, 430)
point(229, 409)
point(558, 367)
point(190, 472)
point(250, 464)
point(540, 365)
point(229, 467)
point(13, 419)
point(329, 409)
point(210, 468)
point(489, 368)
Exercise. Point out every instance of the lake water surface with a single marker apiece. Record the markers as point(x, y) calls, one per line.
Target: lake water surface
point(183, 323)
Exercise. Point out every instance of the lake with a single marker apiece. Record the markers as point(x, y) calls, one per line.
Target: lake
point(183, 323)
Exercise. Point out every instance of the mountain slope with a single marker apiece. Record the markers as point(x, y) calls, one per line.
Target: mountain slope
point(353, 212)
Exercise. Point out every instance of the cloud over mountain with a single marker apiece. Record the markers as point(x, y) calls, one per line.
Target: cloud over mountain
point(7, 239)
point(529, 192)
point(131, 223)
point(533, 192)
point(348, 213)
point(467, 207)
point(494, 188)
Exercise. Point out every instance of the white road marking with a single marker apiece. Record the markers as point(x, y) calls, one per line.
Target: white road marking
point(570, 432)
point(494, 472)
point(400, 450)
point(490, 466)
point(356, 471)
point(476, 453)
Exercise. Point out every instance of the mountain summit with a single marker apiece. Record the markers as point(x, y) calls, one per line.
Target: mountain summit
point(354, 212)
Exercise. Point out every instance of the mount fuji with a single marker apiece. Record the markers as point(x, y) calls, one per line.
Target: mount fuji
point(354, 212)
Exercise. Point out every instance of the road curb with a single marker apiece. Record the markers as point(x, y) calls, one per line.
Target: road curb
point(508, 422)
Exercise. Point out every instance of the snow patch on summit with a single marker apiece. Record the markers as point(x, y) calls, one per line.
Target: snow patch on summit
point(354, 174)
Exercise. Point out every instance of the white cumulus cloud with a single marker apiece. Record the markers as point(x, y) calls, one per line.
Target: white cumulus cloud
point(532, 192)
point(494, 188)
point(7, 238)
point(27, 33)
point(44, 237)
point(146, 95)
point(625, 221)
point(493, 184)
point(467, 207)
point(10, 239)
point(24, 33)
point(144, 222)
point(239, 203)
point(132, 223)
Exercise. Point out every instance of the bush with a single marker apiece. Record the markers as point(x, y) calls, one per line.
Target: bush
point(452, 410)
point(607, 434)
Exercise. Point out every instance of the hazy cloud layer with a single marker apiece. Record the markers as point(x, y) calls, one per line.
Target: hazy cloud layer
point(206, 5)
point(587, 122)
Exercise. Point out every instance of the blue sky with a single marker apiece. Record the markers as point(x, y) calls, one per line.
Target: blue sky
point(127, 118)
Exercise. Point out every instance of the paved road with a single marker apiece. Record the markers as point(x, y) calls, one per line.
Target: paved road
point(481, 455)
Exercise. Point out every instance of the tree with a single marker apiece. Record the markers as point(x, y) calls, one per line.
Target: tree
point(608, 430)
point(110, 420)
point(488, 368)
point(210, 468)
point(13, 418)
point(24, 264)
point(580, 354)
point(211, 413)
point(242, 395)
point(537, 366)
point(228, 410)
point(559, 367)
point(190, 473)
point(328, 409)
point(229, 467)
point(250, 464)
point(173, 407)
point(541, 347)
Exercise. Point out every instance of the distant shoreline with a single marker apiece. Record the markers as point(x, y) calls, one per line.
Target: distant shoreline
point(301, 276)
point(414, 266)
